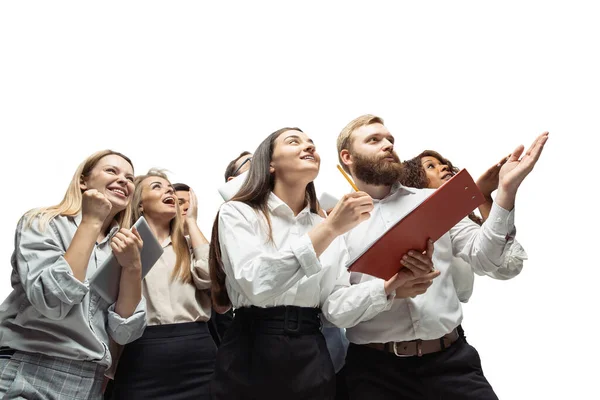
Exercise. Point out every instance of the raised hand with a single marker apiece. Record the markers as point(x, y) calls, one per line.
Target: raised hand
point(192, 213)
point(516, 168)
point(126, 246)
point(95, 207)
point(488, 181)
point(351, 210)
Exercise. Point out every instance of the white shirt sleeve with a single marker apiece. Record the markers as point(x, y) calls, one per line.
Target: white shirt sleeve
point(463, 278)
point(490, 249)
point(258, 274)
point(348, 304)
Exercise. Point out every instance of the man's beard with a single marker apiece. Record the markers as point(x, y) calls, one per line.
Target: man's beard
point(374, 170)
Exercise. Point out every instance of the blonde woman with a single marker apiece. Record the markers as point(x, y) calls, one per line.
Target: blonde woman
point(174, 359)
point(54, 330)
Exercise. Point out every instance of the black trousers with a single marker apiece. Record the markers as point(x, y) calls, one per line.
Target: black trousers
point(174, 361)
point(341, 387)
point(257, 360)
point(218, 325)
point(451, 374)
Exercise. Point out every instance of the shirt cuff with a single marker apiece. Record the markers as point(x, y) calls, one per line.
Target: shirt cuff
point(201, 252)
point(501, 221)
point(305, 253)
point(68, 289)
point(126, 330)
point(379, 298)
point(513, 260)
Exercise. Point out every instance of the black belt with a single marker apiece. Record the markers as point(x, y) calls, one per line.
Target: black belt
point(282, 320)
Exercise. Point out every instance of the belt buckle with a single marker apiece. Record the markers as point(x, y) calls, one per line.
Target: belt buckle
point(286, 329)
point(395, 347)
point(419, 344)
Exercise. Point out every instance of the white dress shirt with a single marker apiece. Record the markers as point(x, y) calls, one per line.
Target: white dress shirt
point(286, 270)
point(438, 311)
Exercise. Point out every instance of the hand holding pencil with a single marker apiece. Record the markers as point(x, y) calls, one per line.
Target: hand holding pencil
point(351, 210)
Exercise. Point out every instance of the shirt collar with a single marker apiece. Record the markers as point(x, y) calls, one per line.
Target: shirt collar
point(278, 206)
point(397, 189)
point(167, 242)
point(401, 189)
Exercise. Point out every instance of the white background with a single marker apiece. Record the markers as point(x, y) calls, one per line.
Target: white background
point(187, 86)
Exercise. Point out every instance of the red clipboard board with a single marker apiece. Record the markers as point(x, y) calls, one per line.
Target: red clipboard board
point(435, 216)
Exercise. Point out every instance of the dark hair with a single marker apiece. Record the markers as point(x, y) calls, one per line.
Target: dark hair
point(254, 192)
point(415, 176)
point(231, 166)
point(181, 187)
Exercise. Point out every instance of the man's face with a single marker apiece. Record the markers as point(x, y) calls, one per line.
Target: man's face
point(372, 158)
point(184, 200)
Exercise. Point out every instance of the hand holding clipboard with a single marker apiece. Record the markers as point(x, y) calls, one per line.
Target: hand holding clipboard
point(419, 272)
point(430, 220)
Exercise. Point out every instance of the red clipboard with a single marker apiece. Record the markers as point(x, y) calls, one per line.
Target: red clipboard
point(443, 209)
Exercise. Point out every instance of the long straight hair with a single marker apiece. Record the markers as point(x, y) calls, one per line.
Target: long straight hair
point(71, 203)
point(254, 192)
point(182, 268)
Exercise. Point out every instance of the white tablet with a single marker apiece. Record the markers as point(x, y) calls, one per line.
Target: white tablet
point(106, 279)
point(230, 189)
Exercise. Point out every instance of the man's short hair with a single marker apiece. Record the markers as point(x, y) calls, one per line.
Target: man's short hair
point(231, 166)
point(181, 187)
point(344, 140)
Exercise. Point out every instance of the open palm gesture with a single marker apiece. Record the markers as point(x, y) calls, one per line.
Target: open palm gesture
point(514, 171)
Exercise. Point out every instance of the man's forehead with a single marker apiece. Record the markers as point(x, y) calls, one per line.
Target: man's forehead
point(372, 129)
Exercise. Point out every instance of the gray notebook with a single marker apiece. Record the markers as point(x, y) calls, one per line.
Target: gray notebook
point(106, 279)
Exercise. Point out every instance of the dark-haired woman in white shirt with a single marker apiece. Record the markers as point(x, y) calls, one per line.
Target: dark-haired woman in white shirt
point(280, 264)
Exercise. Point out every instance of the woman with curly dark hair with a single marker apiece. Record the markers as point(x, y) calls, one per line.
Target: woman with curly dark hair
point(431, 170)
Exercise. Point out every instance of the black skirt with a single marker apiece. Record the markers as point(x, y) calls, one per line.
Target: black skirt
point(274, 353)
point(174, 361)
